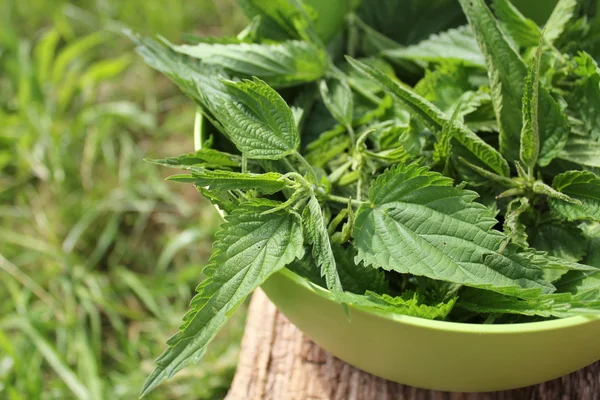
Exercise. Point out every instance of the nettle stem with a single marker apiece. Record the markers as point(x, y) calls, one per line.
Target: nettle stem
point(307, 166)
point(345, 200)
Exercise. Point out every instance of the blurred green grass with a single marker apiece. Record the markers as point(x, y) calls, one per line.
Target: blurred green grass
point(99, 256)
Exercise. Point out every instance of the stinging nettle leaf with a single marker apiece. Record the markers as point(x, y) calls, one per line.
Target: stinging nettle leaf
point(436, 119)
point(514, 229)
point(338, 99)
point(457, 44)
point(583, 186)
point(522, 30)
point(530, 135)
point(581, 151)
point(257, 120)
point(417, 222)
point(204, 156)
point(267, 183)
point(317, 235)
point(250, 247)
point(507, 73)
point(560, 17)
point(280, 64)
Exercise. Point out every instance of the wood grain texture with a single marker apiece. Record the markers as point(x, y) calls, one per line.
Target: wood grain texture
point(278, 362)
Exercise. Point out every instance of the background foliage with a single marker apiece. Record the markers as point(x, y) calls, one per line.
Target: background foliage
point(98, 255)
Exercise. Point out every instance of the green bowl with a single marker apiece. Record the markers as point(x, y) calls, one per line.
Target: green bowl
point(435, 354)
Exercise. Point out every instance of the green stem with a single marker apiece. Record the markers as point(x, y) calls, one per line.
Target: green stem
point(307, 166)
point(289, 165)
point(344, 200)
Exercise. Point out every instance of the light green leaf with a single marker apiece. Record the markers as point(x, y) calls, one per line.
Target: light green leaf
point(560, 17)
point(507, 74)
point(267, 183)
point(257, 120)
point(436, 119)
point(407, 304)
point(316, 234)
point(204, 156)
point(338, 99)
point(279, 64)
point(530, 135)
point(250, 247)
point(583, 285)
point(581, 151)
point(417, 222)
point(457, 44)
point(580, 185)
point(522, 30)
point(280, 19)
point(559, 305)
point(513, 227)
point(584, 98)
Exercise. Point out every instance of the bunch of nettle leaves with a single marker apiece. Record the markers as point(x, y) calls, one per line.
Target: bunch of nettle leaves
point(472, 196)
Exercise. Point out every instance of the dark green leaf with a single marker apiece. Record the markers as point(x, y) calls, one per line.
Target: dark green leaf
point(250, 247)
point(417, 220)
point(580, 185)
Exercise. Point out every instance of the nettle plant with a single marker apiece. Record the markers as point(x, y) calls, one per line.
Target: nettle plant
point(454, 178)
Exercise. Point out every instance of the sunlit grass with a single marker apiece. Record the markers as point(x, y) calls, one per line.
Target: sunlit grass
point(99, 255)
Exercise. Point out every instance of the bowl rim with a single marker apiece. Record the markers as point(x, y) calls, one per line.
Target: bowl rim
point(447, 326)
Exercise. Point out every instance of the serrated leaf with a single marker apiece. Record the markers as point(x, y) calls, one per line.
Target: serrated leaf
point(457, 44)
point(521, 29)
point(581, 151)
point(580, 185)
point(204, 156)
point(445, 85)
point(559, 305)
point(317, 235)
point(407, 304)
point(557, 23)
point(507, 74)
point(356, 278)
point(583, 285)
point(338, 99)
point(436, 119)
point(279, 64)
point(267, 183)
point(561, 240)
point(257, 120)
point(417, 222)
point(280, 19)
point(250, 247)
point(584, 99)
point(530, 135)
point(513, 227)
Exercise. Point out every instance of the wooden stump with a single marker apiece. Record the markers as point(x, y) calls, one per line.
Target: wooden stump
point(278, 362)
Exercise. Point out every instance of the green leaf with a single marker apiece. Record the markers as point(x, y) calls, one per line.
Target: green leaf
point(356, 278)
point(560, 17)
point(204, 156)
point(250, 247)
point(583, 285)
point(580, 185)
point(267, 183)
point(338, 99)
point(522, 30)
point(446, 85)
point(455, 44)
point(530, 135)
point(417, 222)
point(584, 98)
point(507, 74)
point(257, 120)
point(436, 119)
point(316, 234)
point(513, 227)
point(280, 19)
point(407, 304)
point(559, 305)
point(559, 240)
point(581, 151)
point(280, 64)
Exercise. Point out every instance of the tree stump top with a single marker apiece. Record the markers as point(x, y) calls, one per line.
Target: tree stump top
point(278, 362)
